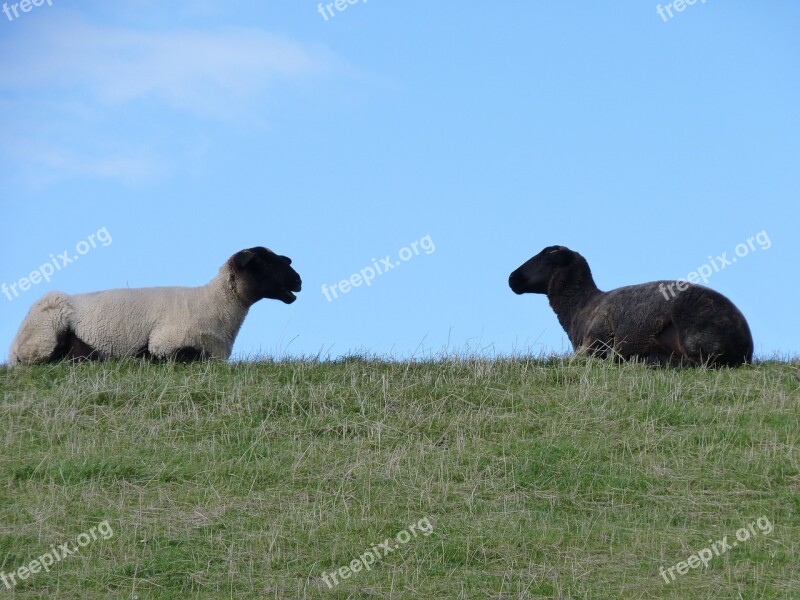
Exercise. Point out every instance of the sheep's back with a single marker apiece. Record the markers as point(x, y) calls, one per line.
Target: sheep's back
point(120, 322)
point(639, 313)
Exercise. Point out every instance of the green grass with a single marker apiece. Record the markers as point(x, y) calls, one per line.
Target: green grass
point(557, 478)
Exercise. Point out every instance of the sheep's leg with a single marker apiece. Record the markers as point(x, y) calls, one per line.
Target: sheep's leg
point(597, 348)
point(189, 354)
point(143, 353)
point(186, 354)
point(71, 347)
point(172, 345)
point(697, 351)
point(163, 344)
point(670, 349)
point(601, 340)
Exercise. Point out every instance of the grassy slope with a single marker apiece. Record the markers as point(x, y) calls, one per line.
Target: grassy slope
point(543, 479)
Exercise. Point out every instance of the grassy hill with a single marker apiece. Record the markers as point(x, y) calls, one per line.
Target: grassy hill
point(560, 478)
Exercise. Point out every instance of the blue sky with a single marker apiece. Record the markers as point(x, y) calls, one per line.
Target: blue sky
point(191, 130)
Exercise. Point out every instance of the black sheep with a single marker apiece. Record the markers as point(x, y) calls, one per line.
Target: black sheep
point(695, 327)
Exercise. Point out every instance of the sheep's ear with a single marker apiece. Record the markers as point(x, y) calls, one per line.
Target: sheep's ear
point(240, 259)
point(286, 258)
point(562, 257)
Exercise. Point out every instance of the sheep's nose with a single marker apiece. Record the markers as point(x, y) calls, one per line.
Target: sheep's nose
point(515, 282)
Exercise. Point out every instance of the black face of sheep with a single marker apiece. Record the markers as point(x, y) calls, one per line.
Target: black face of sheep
point(260, 273)
point(534, 275)
point(694, 326)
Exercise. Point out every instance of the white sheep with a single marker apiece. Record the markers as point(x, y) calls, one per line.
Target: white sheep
point(183, 323)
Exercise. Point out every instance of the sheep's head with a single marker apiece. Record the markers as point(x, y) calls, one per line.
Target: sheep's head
point(534, 276)
point(258, 273)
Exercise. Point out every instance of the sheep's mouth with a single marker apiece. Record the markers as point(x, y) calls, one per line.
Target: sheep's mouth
point(515, 283)
point(288, 296)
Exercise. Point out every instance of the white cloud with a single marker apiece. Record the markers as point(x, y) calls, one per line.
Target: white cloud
point(68, 85)
point(185, 69)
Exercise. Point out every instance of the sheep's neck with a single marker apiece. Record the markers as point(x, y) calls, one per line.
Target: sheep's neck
point(568, 296)
point(229, 310)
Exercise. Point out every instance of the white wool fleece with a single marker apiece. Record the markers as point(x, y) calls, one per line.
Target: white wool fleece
point(124, 322)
